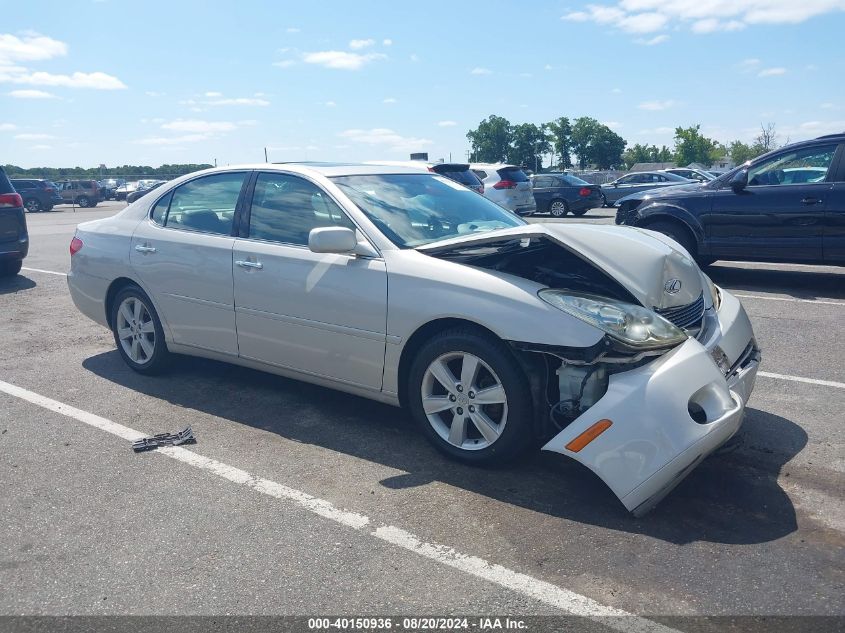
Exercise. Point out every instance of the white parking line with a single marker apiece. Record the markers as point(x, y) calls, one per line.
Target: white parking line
point(811, 381)
point(568, 601)
point(791, 299)
point(40, 270)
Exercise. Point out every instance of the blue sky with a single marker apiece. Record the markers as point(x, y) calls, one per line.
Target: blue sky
point(114, 82)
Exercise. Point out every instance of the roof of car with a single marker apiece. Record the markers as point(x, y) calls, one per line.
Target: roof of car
point(336, 169)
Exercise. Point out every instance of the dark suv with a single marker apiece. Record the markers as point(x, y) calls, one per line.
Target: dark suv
point(785, 206)
point(38, 195)
point(14, 240)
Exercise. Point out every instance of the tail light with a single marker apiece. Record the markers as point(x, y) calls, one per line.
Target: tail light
point(585, 191)
point(75, 246)
point(49, 189)
point(11, 200)
point(505, 184)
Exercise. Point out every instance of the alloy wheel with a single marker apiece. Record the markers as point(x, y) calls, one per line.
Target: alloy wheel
point(33, 206)
point(464, 401)
point(558, 208)
point(136, 330)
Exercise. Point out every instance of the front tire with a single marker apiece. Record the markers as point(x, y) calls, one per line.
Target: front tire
point(10, 269)
point(137, 332)
point(558, 208)
point(677, 233)
point(471, 398)
point(83, 201)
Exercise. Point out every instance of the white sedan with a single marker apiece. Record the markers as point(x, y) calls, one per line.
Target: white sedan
point(606, 344)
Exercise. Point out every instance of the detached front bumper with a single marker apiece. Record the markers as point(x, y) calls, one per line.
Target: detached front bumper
point(668, 415)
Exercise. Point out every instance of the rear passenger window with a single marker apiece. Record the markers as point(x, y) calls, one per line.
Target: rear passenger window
point(480, 173)
point(206, 204)
point(159, 214)
point(285, 209)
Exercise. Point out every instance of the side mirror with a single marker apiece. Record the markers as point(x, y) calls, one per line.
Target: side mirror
point(739, 180)
point(332, 239)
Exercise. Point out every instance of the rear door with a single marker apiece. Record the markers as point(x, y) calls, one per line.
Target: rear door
point(319, 313)
point(772, 218)
point(183, 255)
point(543, 189)
point(834, 226)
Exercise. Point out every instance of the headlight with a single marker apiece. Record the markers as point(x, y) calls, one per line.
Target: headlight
point(629, 323)
point(715, 293)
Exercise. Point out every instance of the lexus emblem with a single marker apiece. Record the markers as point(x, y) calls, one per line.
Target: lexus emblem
point(672, 286)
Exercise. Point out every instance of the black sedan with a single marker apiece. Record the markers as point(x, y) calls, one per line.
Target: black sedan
point(559, 194)
point(785, 206)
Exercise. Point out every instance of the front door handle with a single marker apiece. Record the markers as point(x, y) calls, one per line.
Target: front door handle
point(245, 264)
point(810, 200)
point(142, 248)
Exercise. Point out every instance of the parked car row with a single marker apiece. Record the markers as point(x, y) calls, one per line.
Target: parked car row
point(43, 195)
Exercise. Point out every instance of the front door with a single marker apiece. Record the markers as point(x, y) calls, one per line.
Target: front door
point(780, 214)
point(322, 314)
point(182, 254)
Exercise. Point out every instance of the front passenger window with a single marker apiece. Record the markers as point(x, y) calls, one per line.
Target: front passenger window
point(804, 165)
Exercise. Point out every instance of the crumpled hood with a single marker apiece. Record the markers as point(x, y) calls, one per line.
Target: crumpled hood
point(646, 263)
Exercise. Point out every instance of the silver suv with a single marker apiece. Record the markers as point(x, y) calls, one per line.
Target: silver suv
point(507, 186)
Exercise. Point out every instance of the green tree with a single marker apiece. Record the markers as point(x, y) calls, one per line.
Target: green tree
point(560, 131)
point(491, 140)
point(741, 152)
point(691, 146)
point(528, 144)
point(595, 143)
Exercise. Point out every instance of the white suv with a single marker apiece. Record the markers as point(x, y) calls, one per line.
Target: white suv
point(507, 186)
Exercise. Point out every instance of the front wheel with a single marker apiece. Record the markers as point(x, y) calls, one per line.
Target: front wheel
point(137, 331)
point(558, 208)
point(680, 235)
point(83, 201)
point(471, 398)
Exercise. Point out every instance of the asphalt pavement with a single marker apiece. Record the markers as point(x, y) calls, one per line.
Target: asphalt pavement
point(303, 501)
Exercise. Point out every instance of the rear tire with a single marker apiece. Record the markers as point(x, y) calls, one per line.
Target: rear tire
point(137, 332)
point(580, 212)
point(604, 201)
point(493, 413)
point(32, 205)
point(10, 269)
point(558, 208)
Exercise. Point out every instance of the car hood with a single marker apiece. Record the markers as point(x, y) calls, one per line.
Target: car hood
point(645, 263)
point(664, 192)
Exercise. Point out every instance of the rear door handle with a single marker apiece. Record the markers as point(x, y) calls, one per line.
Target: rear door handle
point(245, 264)
point(145, 249)
point(810, 200)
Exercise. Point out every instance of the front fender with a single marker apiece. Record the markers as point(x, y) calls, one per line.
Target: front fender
point(653, 211)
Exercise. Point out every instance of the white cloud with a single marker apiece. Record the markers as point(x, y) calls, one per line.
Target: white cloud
point(8, 127)
point(478, 70)
point(825, 106)
point(414, 57)
point(199, 126)
point(94, 81)
point(657, 39)
point(748, 65)
point(548, 67)
point(657, 105)
point(33, 137)
point(771, 72)
point(387, 42)
point(292, 29)
point(330, 104)
point(359, 44)
point(385, 138)
point(613, 125)
point(31, 94)
point(341, 60)
point(29, 48)
point(40, 147)
point(243, 101)
point(213, 94)
point(616, 91)
point(285, 63)
point(702, 16)
point(446, 124)
point(389, 100)
point(152, 93)
point(173, 140)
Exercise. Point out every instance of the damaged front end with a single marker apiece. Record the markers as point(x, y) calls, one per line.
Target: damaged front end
point(668, 382)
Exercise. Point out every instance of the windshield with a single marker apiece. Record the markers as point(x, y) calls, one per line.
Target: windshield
point(416, 209)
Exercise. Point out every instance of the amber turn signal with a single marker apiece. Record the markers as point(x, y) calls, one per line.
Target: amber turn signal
point(589, 435)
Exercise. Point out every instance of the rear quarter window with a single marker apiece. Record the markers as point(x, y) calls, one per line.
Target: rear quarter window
point(5, 185)
point(512, 173)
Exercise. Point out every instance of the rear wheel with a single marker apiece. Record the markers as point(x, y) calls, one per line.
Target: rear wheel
point(33, 205)
point(137, 331)
point(10, 269)
point(83, 201)
point(471, 398)
point(558, 208)
point(603, 200)
point(579, 212)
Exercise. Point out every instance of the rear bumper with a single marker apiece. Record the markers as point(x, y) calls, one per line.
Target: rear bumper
point(14, 251)
point(88, 294)
point(654, 442)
